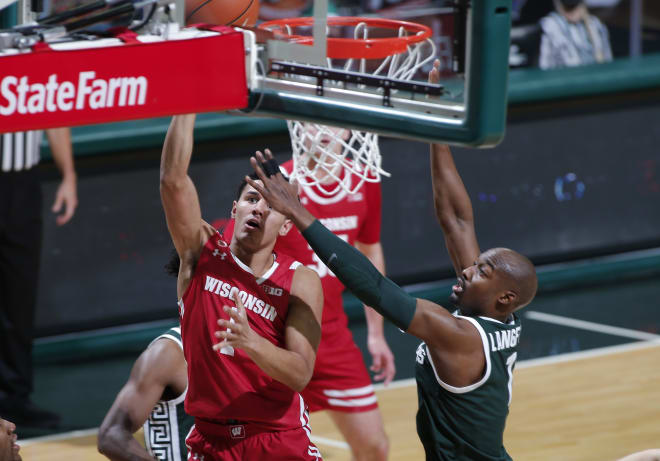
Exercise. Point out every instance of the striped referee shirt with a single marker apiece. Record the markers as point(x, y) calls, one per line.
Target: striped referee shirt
point(20, 151)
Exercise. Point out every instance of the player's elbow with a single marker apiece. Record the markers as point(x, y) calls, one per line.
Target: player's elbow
point(104, 440)
point(301, 380)
point(302, 377)
point(170, 180)
point(445, 215)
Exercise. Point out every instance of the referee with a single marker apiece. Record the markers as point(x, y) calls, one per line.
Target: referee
point(20, 251)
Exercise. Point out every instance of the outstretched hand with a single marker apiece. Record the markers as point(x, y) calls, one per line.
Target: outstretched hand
point(235, 332)
point(382, 359)
point(280, 195)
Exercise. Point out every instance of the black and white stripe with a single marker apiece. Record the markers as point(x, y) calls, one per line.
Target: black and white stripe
point(20, 151)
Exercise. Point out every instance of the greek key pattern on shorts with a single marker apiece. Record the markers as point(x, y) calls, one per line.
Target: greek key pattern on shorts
point(159, 430)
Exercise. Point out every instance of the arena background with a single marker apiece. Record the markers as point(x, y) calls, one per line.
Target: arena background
point(568, 182)
point(575, 185)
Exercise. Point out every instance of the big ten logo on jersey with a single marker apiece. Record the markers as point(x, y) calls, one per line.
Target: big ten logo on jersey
point(420, 354)
point(319, 266)
point(273, 291)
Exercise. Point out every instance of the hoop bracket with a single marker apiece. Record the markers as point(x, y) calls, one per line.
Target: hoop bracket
point(357, 78)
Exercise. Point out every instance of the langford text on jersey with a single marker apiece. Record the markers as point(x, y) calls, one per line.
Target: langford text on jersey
point(251, 302)
point(504, 339)
point(24, 97)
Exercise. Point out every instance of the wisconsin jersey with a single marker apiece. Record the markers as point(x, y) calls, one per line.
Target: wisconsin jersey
point(467, 423)
point(350, 216)
point(227, 384)
point(168, 424)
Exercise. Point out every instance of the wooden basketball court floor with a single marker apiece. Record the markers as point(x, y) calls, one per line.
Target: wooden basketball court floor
point(596, 404)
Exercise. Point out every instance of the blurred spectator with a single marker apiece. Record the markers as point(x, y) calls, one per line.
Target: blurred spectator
point(573, 37)
point(20, 252)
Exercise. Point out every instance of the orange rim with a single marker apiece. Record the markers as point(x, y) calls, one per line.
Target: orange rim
point(355, 48)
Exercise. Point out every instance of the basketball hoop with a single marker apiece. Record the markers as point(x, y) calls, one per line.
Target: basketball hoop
point(372, 46)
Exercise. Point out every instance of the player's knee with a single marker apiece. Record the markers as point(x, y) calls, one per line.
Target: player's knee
point(375, 448)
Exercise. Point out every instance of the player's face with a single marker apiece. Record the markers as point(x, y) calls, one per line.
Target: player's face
point(478, 287)
point(257, 224)
point(327, 139)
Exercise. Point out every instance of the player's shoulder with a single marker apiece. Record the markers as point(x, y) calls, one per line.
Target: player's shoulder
point(305, 278)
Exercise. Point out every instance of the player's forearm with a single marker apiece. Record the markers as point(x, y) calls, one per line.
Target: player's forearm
point(285, 366)
point(59, 140)
point(374, 253)
point(177, 149)
point(451, 200)
point(118, 444)
point(360, 276)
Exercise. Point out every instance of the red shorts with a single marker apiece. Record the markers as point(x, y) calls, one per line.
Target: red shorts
point(341, 381)
point(240, 442)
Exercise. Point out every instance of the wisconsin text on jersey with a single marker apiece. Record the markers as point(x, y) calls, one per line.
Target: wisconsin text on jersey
point(251, 302)
point(341, 223)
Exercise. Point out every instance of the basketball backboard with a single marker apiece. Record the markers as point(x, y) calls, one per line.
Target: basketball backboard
point(367, 71)
point(315, 70)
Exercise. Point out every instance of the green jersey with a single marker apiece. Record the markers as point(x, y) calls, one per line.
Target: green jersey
point(168, 425)
point(467, 423)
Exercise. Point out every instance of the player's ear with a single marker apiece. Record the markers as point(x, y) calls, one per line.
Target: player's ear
point(286, 227)
point(507, 298)
point(233, 209)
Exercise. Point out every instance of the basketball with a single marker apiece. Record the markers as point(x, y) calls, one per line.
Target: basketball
point(222, 12)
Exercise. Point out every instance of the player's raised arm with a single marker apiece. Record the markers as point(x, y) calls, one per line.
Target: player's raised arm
point(151, 374)
point(179, 196)
point(177, 191)
point(453, 207)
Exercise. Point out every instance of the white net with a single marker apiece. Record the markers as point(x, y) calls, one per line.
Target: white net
point(338, 159)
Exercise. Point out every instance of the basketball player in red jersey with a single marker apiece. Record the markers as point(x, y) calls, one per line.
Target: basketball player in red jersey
point(341, 383)
point(250, 321)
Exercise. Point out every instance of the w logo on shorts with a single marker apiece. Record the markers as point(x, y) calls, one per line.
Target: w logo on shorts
point(238, 432)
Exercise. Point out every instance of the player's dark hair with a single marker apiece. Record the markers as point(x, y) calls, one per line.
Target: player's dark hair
point(243, 183)
point(254, 176)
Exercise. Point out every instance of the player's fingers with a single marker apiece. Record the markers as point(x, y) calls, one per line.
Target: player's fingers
point(239, 304)
point(377, 363)
point(234, 314)
point(69, 208)
point(261, 174)
point(258, 187)
point(434, 75)
point(224, 343)
point(390, 369)
point(57, 205)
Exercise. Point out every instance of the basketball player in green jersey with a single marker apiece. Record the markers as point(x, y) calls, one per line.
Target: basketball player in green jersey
point(153, 398)
point(464, 367)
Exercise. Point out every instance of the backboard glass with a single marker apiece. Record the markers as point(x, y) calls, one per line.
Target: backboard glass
point(318, 78)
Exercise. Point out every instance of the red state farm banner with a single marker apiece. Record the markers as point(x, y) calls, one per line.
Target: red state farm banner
point(49, 88)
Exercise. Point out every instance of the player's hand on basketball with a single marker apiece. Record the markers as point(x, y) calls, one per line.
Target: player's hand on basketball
point(434, 74)
point(278, 192)
point(235, 331)
point(382, 359)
